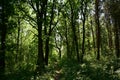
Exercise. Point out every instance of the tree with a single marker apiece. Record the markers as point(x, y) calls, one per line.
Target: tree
point(5, 14)
point(40, 18)
point(84, 13)
point(3, 38)
point(97, 28)
point(38, 8)
point(73, 27)
point(48, 34)
point(108, 26)
point(114, 12)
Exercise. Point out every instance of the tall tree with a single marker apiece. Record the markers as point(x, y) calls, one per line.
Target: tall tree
point(39, 8)
point(3, 37)
point(114, 10)
point(49, 33)
point(40, 18)
point(5, 14)
point(98, 38)
point(84, 13)
point(73, 27)
point(108, 26)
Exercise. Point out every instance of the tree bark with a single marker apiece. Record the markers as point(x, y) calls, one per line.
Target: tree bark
point(117, 44)
point(49, 34)
point(3, 39)
point(39, 15)
point(98, 41)
point(40, 60)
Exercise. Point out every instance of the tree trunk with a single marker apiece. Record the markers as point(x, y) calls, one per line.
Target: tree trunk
point(83, 21)
point(98, 41)
point(46, 51)
point(93, 35)
point(75, 41)
point(49, 34)
point(3, 39)
point(40, 60)
point(18, 41)
point(83, 42)
point(67, 42)
point(117, 46)
point(109, 29)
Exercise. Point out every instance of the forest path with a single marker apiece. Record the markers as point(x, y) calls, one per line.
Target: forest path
point(58, 72)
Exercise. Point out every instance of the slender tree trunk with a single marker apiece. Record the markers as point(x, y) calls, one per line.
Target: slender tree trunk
point(67, 42)
point(46, 51)
point(108, 27)
point(3, 47)
point(93, 35)
point(66, 37)
point(59, 53)
point(3, 43)
point(49, 34)
point(75, 41)
point(117, 46)
point(83, 41)
point(98, 41)
point(18, 41)
point(46, 34)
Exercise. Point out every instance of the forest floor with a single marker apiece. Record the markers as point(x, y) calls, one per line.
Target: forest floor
point(71, 70)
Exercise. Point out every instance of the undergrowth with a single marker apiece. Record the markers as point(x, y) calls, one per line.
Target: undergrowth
point(71, 70)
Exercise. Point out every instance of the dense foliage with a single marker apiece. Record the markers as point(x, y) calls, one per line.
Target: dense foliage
point(59, 39)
